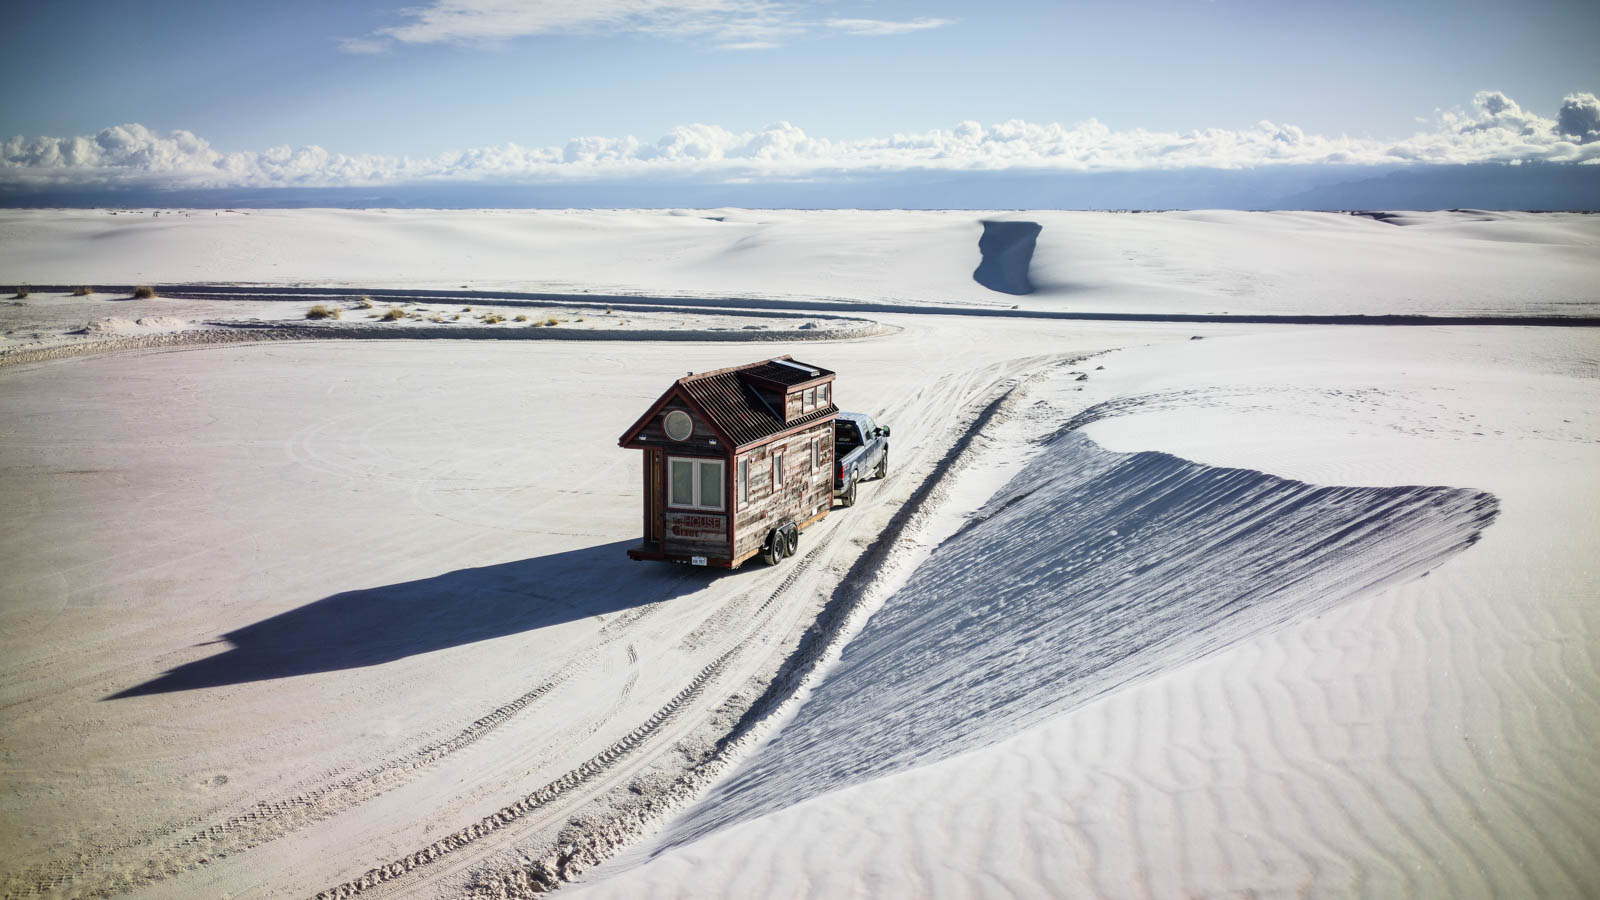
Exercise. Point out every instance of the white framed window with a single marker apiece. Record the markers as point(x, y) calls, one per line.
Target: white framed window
point(744, 480)
point(825, 393)
point(777, 470)
point(811, 399)
point(694, 483)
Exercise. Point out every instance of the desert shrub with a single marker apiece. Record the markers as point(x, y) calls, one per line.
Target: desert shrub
point(437, 320)
point(83, 291)
point(552, 320)
point(392, 314)
point(322, 312)
point(144, 292)
point(608, 310)
point(579, 319)
point(520, 318)
point(466, 309)
point(365, 302)
point(456, 318)
point(22, 293)
point(492, 319)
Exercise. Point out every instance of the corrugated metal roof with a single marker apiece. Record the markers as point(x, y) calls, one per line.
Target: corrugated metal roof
point(738, 411)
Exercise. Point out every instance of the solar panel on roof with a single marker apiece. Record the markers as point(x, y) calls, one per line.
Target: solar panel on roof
point(794, 365)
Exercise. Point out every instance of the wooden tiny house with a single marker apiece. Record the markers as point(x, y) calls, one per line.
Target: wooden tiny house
point(736, 462)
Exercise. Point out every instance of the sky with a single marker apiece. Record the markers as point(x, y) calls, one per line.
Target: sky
point(309, 94)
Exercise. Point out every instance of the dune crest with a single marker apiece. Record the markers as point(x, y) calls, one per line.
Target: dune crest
point(1091, 571)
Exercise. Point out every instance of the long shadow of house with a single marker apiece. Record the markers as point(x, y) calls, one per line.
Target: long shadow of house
point(379, 625)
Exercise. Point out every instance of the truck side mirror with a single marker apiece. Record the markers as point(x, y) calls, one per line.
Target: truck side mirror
point(883, 430)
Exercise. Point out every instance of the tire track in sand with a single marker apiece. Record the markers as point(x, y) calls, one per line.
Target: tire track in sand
point(569, 859)
point(272, 819)
point(509, 814)
point(597, 766)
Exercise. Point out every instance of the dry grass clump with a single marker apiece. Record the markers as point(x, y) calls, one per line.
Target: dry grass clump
point(22, 293)
point(608, 310)
point(83, 291)
point(455, 318)
point(365, 302)
point(437, 320)
point(392, 314)
point(322, 312)
point(578, 319)
point(491, 319)
point(144, 292)
point(466, 309)
point(551, 320)
point(520, 318)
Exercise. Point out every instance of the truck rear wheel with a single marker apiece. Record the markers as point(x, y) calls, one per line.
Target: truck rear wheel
point(883, 465)
point(848, 498)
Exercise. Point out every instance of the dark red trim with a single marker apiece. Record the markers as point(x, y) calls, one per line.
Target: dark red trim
point(628, 439)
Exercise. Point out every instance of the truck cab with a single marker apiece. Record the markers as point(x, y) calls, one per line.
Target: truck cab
point(860, 451)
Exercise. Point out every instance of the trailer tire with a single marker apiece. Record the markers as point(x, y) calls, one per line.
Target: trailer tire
point(776, 547)
point(792, 543)
point(848, 498)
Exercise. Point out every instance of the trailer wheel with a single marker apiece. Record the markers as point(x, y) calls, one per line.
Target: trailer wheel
point(793, 541)
point(776, 547)
point(848, 498)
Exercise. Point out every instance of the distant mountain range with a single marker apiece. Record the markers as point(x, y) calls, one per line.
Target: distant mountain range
point(1534, 186)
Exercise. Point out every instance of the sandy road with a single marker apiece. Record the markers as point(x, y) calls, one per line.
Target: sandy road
point(186, 520)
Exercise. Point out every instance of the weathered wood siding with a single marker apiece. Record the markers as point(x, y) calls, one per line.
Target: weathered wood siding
point(791, 407)
point(697, 533)
point(806, 491)
point(691, 532)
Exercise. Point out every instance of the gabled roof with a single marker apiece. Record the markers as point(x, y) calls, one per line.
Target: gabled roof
point(733, 407)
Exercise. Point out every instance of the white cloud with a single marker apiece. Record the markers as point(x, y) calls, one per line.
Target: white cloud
point(1497, 130)
point(1580, 117)
point(362, 45)
point(727, 24)
point(464, 21)
point(876, 27)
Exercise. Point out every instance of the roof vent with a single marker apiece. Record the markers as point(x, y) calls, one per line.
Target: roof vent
point(797, 367)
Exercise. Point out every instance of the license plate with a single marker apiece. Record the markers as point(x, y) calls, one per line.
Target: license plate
point(697, 560)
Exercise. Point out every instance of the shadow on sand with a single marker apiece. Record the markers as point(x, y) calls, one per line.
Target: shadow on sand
point(379, 625)
point(1007, 250)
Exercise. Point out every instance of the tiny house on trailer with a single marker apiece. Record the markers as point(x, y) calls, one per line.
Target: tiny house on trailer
point(736, 462)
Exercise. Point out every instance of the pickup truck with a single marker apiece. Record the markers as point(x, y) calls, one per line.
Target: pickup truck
point(860, 451)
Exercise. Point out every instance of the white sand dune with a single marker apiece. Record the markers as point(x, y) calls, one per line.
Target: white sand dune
point(1373, 739)
point(1464, 263)
point(1088, 572)
point(284, 617)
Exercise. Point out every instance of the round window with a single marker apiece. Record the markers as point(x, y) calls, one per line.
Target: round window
point(678, 424)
